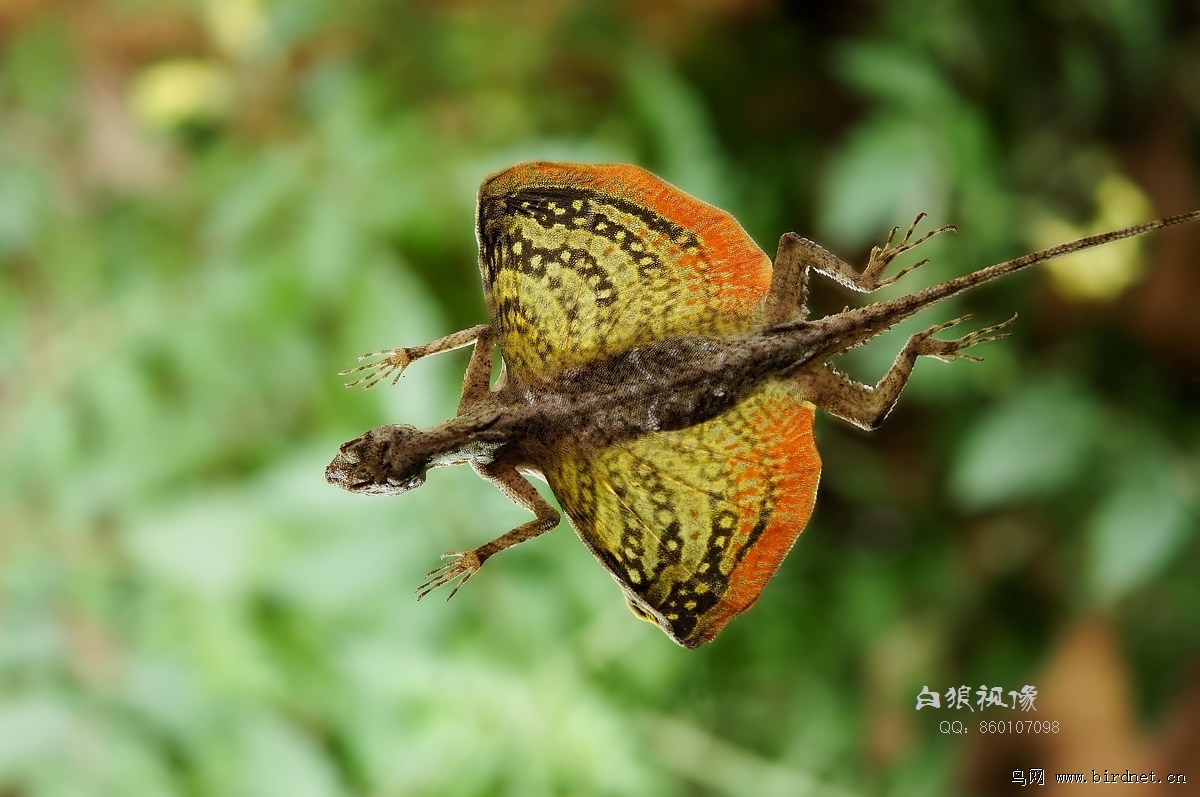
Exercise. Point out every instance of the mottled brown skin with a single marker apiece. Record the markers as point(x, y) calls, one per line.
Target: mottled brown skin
point(671, 383)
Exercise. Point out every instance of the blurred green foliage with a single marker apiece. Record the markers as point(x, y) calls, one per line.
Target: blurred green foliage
point(207, 209)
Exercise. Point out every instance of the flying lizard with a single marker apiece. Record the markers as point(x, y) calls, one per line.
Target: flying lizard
point(661, 374)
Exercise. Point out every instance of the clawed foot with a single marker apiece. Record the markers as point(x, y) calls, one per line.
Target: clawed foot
point(394, 362)
point(462, 566)
point(950, 350)
point(882, 256)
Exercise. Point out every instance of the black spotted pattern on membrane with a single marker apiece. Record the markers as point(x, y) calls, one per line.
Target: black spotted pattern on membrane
point(512, 314)
point(506, 246)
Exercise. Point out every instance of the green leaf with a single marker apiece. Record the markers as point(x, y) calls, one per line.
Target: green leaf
point(1137, 529)
point(32, 731)
point(1033, 445)
point(887, 168)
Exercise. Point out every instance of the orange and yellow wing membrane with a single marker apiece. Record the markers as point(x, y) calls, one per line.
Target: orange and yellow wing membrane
point(581, 262)
point(692, 523)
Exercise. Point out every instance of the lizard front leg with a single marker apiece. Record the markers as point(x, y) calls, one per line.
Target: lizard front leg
point(396, 360)
point(796, 256)
point(867, 406)
point(465, 564)
point(477, 381)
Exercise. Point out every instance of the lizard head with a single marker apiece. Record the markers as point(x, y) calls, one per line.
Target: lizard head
point(387, 460)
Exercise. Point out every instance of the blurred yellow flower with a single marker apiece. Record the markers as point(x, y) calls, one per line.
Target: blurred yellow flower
point(236, 25)
point(171, 93)
point(1104, 273)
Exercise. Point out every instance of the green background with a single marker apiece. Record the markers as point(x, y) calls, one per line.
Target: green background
point(207, 210)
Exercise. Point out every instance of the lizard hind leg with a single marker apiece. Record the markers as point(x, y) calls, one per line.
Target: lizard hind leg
point(871, 277)
point(924, 344)
point(796, 256)
point(867, 406)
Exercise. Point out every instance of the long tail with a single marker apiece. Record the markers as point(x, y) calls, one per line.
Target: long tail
point(852, 327)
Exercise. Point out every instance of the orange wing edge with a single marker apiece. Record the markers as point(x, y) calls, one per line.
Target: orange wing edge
point(800, 469)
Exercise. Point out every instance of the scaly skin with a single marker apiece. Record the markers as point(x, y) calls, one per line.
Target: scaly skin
point(662, 375)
